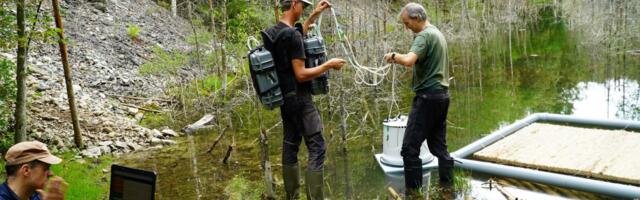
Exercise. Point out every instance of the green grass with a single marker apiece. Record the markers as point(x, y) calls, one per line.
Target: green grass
point(85, 176)
point(164, 63)
point(155, 120)
point(241, 188)
point(461, 185)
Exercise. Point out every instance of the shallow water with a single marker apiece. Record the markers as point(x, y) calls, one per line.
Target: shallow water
point(544, 64)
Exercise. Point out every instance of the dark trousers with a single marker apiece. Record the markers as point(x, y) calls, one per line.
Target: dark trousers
point(301, 120)
point(427, 120)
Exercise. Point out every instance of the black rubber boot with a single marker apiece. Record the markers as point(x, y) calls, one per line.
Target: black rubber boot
point(445, 171)
point(291, 176)
point(413, 178)
point(314, 183)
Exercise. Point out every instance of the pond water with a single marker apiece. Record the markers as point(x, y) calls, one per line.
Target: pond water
point(546, 63)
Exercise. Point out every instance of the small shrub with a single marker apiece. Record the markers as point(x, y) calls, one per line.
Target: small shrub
point(165, 5)
point(153, 120)
point(134, 31)
point(7, 92)
point(6, 141)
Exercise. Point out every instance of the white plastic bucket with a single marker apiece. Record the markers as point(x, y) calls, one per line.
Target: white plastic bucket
point(392, 142)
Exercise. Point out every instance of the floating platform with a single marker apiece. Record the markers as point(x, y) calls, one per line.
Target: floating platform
point(536, 146)
point(557, 150)
point(611, 155)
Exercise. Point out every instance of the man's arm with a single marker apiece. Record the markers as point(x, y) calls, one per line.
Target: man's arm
point(407, 60)
point(324, 4)
point(305, 74)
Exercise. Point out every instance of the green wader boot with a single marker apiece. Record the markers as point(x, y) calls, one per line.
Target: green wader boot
point(315, 182)
point(291, 176)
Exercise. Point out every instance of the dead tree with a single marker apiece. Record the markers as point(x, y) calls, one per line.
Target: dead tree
point(174, 8)
point(227, 155)
point(67, 75)
point(223, 49)
point(266, 163)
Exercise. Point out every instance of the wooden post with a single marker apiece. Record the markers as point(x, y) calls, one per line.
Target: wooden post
point(67, 75)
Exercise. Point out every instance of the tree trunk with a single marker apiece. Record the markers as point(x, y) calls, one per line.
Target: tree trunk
point(21, 73)
point(212, 28)
point(275, 10)
point(174, 8)
point(224, 51)
point(195, 34)
point(67, 75)
point(264, 150)
point(266, 165)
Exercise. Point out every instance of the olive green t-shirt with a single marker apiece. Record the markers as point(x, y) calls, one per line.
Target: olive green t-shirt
point(430, 71)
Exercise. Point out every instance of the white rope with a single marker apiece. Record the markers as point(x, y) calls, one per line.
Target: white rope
point(362, 72)
point(254, 40)
point(370, 76)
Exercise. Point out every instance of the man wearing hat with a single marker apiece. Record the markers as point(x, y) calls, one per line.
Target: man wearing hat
point(300, 118)
point(27, 166)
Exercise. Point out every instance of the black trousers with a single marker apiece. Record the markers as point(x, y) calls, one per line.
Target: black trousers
point(301, 120)
point(427, 120)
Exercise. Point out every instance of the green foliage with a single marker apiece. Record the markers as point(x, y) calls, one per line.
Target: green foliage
point(7, 92)
point(245, 19)
point(7, 25)
point(133, 30)
point(164, 4)
point(241, 188)
point(156, 120)
point(6, 141)
point(202, 36)
point(164, 63)
point(44, 32)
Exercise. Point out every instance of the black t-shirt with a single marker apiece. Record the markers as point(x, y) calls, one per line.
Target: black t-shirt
point(288, 46)
point(293, 42)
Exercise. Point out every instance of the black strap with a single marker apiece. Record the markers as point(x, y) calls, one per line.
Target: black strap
point(269, 40)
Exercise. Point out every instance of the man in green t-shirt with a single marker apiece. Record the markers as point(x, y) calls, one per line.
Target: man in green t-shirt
point(427, 120)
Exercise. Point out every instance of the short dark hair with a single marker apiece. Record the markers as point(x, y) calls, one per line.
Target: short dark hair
point(285, 5)
point(13, 169)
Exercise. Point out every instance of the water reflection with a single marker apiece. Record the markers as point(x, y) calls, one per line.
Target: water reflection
point(396, 181)
point(613, 99)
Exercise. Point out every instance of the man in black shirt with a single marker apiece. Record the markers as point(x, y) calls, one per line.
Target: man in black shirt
point(300, 118)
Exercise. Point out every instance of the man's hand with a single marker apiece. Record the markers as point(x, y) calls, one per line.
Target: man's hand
point(336, 63)
point(323, 5)
point(389, 58)
point(55, 189)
